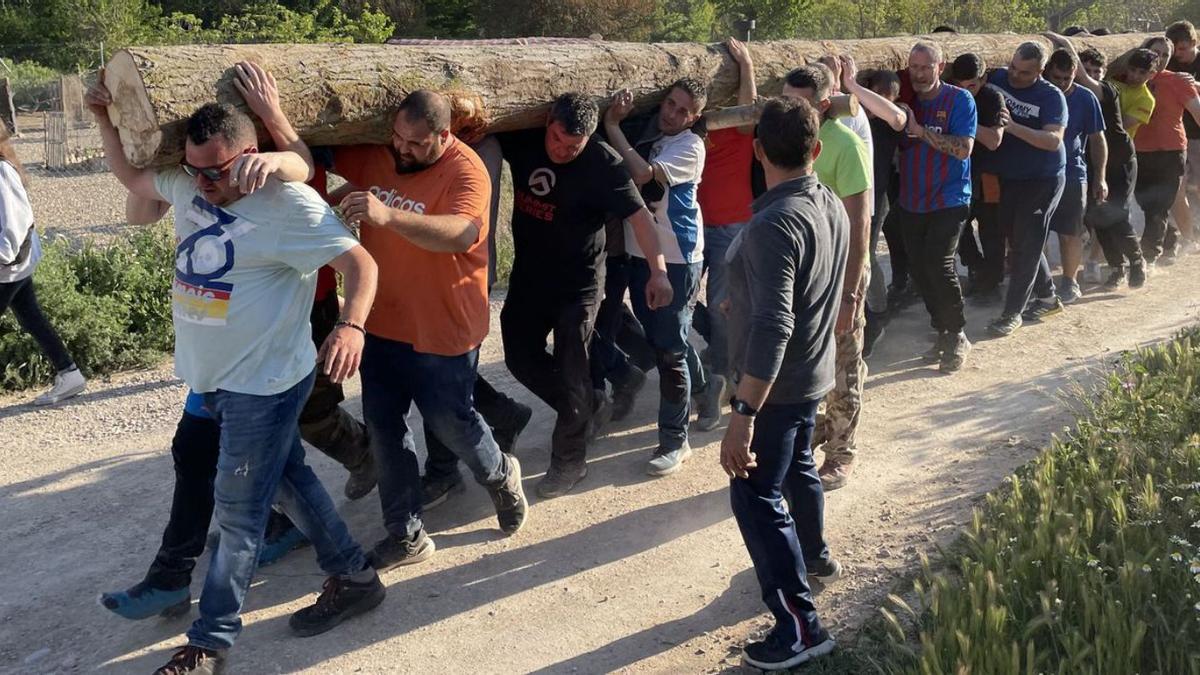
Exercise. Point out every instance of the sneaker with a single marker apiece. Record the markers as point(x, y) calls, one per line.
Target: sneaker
point(435, 491)
point(987, 296)
point(1040, 309)
point(1169, 257)
point(67, 384)
point(777, 653)
point(1138, 273)
point(835, 475)
point(667, 462)
point(825, 571)
point(509, 498)
point(625, 394)
point(361, 480)
point(875, 327)
point(958, 346)
point(282, 537)
point(341, 598)
point(191, 660)
point(1115, 280)
point(935, 352)
point(602, 414)
point(1091, 273)
point(508, 430)
point(392, 551)
point(558, 482)
point(1069, 291)
point(708, 404)
point(1005, 325)
point(142, 601)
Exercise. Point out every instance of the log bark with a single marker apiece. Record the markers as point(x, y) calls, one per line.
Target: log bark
point(344, 93)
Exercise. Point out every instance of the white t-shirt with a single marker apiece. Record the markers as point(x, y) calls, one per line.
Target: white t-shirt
point(16, 223)
point(677, 219)
point(245, 274)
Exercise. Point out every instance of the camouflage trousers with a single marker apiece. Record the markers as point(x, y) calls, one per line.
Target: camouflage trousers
point(837, 422)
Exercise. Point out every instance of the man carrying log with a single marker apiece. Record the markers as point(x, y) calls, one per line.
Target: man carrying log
point(566, 182)
point(249, 248)
point(423, 203)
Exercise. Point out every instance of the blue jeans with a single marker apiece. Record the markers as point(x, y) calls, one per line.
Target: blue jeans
point(779, 545)
point(716, 244)
point(394, 376)
point(667, 331)
point(261, 460)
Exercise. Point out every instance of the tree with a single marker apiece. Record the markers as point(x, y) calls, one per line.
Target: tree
point(684, 21)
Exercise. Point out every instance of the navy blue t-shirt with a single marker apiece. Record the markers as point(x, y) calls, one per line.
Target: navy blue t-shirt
point(1036, 107)
point(1084, 118)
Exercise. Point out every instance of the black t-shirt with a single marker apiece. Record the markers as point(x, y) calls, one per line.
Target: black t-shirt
point(989, 103)
point(1193, 69)
point(1120, 146)
point(885, 141)
point(559, 210)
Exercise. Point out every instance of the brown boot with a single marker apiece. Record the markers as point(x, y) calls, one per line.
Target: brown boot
point(835, 475)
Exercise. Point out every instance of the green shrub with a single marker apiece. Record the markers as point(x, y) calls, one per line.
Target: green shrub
point(110, 304)
point(34, 86)
point(1088, 560)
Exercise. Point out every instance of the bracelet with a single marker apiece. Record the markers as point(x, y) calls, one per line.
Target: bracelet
point(350, 324)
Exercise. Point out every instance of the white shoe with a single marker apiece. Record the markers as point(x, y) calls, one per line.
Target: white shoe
point(66, 384)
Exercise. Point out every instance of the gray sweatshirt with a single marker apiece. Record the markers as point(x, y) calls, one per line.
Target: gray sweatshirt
point(20, 249)
point(785, 285)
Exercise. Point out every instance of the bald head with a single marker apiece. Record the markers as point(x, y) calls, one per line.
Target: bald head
point(428, 106)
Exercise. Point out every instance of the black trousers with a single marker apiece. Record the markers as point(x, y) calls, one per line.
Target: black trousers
point(1118, 241)
point(20, 296)
point(562, 379)
point(897, 253)
point(1159, 178)
point(1026, 208)
point(931, 240)
point(619, 340)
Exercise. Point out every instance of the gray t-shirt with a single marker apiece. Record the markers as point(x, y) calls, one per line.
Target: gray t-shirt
point(245, 274)
point(786, 269)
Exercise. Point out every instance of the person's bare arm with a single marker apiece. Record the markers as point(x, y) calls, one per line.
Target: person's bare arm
point(1048, 138)
point(992, 137)
point(1098, 154)
point(341, 352)
point(958, 147)
point(639, 169)
point(440, 234)
point(258, 87)
point(659, 292)
point(747, 89)
point(139, 182)
point(142, 211)
point(1081, 75)
point(1193, 108)
point(858, 209)
point(893, 115)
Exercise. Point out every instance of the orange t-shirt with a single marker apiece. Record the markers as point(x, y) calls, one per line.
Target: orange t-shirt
point(1165, 130)
point(437, 302)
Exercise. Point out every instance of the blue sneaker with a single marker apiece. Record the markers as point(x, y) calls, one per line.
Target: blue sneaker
point(276, 544)
point(143, 601)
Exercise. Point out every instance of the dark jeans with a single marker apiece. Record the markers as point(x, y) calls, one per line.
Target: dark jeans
point(563, 379)
point(897, 255)
point(1159, 177)
point(21, 297)
point(1026, 207)
point(618, 342)
point(931, 240)
point(989, 270)
point(394, 376)
point(492, 405)
point(780, 542)
point(323, 422)
point(667, 330)
point(262, 460)
point(716, 244)
point(1118, 241)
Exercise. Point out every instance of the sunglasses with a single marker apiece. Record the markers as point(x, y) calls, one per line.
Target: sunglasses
point(212, 173)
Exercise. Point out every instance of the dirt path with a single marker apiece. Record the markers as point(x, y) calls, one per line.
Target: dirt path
point(626, 573)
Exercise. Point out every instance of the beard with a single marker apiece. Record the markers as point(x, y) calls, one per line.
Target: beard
point(407, 166)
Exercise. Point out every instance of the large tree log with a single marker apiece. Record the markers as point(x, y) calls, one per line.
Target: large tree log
point(343, 93)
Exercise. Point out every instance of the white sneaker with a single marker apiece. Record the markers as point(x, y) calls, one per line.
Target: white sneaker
point(66, 384)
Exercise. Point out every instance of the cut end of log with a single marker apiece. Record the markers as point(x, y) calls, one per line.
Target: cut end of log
point(131, 110)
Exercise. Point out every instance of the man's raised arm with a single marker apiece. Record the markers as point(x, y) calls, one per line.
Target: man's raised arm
point(140, 182)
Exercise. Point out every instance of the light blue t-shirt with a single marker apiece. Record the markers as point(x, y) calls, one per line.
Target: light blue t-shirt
point(245, 274)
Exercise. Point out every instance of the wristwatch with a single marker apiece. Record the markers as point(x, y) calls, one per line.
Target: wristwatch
point(741, 407)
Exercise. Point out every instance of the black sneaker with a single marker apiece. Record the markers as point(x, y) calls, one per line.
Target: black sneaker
point(362, 479)
point(1041, 309)
point(1137, 274)
point(876, 324)
point(508, 430)
point(509, 497)
point(955, 355)
point(341, 598)
point(778, 653)
point(602, 414)
point(392, 551)
point(935, 352)
point(1004, 326)
point(897, 297)
point(1115, 280)
point(625, 394)
point(824, 571)
point(435, 491)
point(708, 404)
point(191, 660)
point(558, 482)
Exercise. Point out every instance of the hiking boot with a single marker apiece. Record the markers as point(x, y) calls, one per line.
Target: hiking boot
point(508, 430)
point(708, 404)
point(558, 482)
point(1138, 273)
point(341, 598)
point(1069, 291)
point(1041, 309)
point(667, 462)
point(834, 475)
point(392, 551)
point(435, 491)
point(825, 571)
point(361, 480)
point(142, 601)
point(1115, 280)
point(509, 497)
point(625, 394)
point(935, 352)
point(1004, 326)
point(778, 653)
point(874, 329)
point(67, 384)
point(958, 346)
point(281, 537)
point(602, 414)
point(191, 660)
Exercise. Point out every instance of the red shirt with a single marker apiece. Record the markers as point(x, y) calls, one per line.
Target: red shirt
point(326, 277)
point(1165, 132)
point(724, 192)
